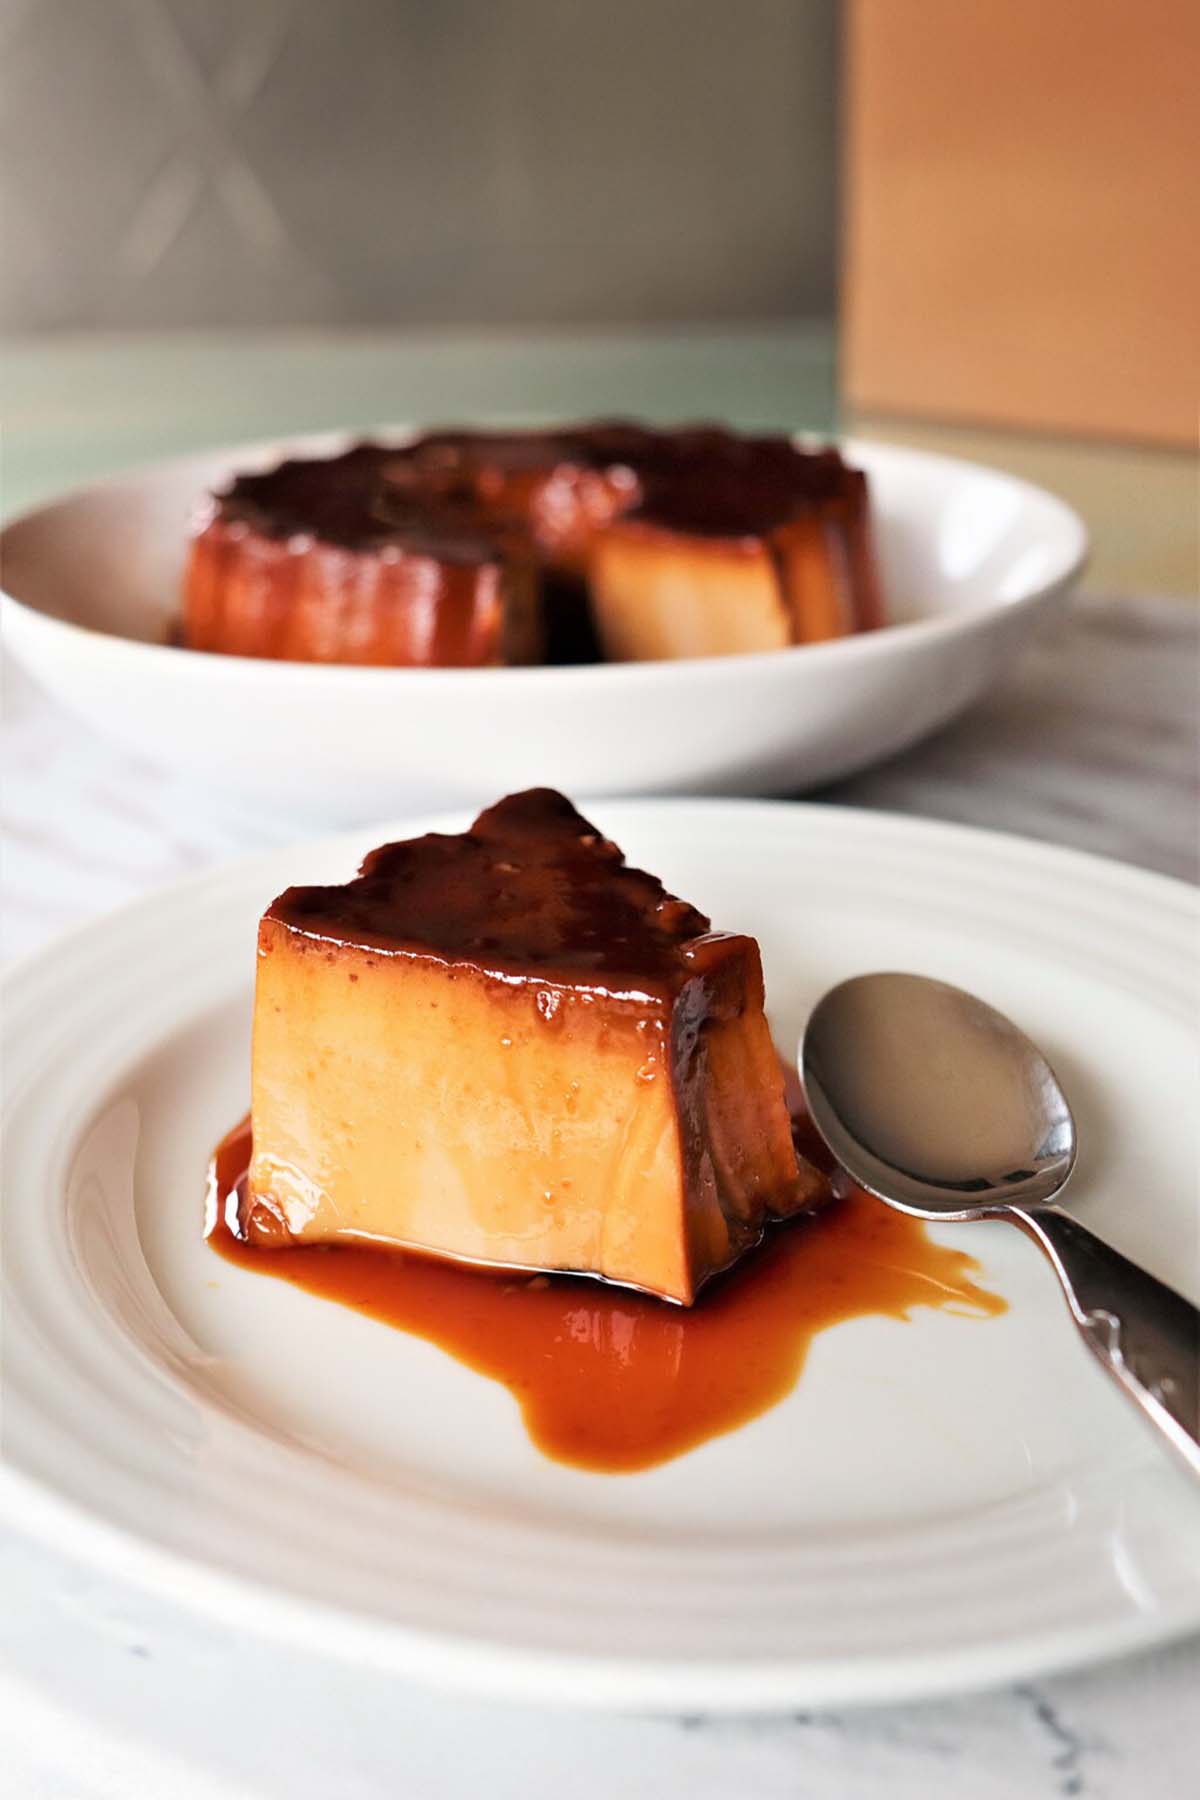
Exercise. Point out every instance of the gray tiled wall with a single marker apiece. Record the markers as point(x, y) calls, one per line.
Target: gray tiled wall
point(215, 162)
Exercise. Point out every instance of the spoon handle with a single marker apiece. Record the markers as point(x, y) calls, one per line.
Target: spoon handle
point(1145, 1334)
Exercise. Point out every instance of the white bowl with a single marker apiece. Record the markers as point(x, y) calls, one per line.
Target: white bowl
point(972, 562)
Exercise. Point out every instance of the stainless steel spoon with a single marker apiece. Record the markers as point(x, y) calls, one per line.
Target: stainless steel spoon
point(940, 1106)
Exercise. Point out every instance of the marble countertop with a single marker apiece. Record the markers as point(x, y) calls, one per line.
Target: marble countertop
point(105, 1691)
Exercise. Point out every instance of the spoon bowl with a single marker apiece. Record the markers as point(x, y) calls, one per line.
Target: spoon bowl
point(933, 1100)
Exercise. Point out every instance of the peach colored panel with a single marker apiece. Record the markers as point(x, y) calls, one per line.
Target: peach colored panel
point(1022, 230)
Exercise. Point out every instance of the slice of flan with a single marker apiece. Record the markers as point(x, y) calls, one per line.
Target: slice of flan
point(509, 1048)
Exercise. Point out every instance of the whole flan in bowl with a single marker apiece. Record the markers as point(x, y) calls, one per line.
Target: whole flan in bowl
point(605, 541)
point(965, 564)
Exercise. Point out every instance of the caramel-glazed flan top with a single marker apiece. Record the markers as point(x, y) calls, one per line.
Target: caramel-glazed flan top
point(531, 893)
point(467, 491)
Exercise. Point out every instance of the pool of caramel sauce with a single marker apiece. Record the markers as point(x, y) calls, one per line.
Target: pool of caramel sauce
point(611, 1380)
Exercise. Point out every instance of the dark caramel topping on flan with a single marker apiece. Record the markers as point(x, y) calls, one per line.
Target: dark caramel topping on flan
point(349, 502)
point(531, 892)
point(508, 1048)
point(747, 489)
point(462, 493)
point(763, 474)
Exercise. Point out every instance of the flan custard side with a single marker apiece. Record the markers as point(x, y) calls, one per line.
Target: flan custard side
point(328, 561)
point(610, 539)
point(509, 1048)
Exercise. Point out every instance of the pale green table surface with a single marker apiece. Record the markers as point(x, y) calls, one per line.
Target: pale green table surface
point(76, 407)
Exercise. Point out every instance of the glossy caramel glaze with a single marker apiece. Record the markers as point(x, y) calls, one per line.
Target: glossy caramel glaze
point(532, 893)
point(612, 1381)
point(347, 500)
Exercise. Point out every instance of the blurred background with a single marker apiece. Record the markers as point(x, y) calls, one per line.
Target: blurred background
point(374, 162)
point(225, 219)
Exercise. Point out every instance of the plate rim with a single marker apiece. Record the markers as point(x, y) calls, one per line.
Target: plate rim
point(577, 1678)
point(565, 1679)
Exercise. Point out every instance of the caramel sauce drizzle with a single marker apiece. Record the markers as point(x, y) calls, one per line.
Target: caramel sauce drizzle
point(614, 1381)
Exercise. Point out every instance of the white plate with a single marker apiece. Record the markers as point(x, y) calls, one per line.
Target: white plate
point(940, 1503)
point(972, 561)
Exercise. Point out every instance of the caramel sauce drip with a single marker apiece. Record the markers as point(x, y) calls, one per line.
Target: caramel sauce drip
point(614, 1381)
